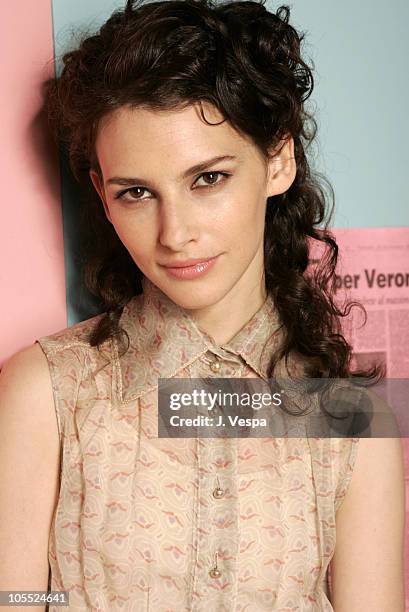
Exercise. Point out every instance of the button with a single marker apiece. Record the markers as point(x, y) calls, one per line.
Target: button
point(215, 366)
point(218, 493)
point(215, 572)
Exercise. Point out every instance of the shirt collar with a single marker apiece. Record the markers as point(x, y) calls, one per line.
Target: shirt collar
point(164, 339)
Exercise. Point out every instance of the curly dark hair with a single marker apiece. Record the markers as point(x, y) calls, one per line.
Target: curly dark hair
point(246, 61)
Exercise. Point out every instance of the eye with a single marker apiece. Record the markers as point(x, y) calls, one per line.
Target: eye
point(120, 195)
point(215, 173)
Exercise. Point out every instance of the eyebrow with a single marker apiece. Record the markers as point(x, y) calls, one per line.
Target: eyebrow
point(120, 180)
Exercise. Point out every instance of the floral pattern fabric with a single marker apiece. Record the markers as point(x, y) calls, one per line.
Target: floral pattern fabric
point(142, 522)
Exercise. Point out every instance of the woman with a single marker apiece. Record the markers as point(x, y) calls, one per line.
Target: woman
point(185, 124)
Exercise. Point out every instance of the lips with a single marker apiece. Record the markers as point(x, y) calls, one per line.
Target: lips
point(187, 263)
point(195, 268)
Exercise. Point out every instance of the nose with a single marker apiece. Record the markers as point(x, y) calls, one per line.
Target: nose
point(177, 225)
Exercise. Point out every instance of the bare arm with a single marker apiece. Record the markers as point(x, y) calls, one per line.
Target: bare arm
point(367, 567)
point(29, 471)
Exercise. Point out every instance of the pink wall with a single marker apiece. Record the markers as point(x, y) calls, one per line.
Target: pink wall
point(32, 278)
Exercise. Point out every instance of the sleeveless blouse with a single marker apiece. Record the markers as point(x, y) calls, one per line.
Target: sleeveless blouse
point(142, 522)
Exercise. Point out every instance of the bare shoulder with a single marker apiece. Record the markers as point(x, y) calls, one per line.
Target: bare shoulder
point(25, 360)
point(26, 390)
point(379, 468)
point(379, 472)
point(382, 448)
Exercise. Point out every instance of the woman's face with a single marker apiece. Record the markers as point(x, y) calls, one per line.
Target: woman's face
point(166, 213)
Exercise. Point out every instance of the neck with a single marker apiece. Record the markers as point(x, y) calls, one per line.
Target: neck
point(224, 319)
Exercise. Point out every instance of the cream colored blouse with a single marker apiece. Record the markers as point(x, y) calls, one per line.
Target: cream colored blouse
point(148, 524)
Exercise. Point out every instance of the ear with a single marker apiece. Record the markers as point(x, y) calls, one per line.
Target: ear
point(96, 181)
point(281, 167)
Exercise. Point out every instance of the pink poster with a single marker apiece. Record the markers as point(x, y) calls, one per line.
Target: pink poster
point(374, 270)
